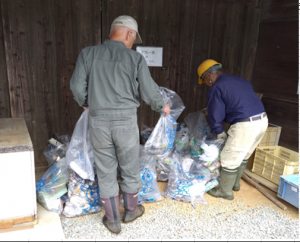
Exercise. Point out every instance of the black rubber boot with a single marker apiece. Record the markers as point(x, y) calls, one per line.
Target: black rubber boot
point(112, 217)
point(227, 179)
point(132, 209)
point(240, 171)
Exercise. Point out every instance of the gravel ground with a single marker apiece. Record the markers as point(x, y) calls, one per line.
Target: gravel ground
point(170, 219)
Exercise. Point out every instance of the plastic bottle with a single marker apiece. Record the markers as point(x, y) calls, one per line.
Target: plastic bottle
point(211, 184)
point(214, 166)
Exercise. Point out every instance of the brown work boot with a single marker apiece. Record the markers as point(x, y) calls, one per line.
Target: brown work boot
point(112, 217)
point(132, 209)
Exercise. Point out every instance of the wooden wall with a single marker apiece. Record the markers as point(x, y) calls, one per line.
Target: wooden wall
point(191, 31)
point(276, 68)
point(4, 92)
point(40, 42)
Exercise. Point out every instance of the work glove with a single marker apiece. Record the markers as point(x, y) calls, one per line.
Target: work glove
point(222, 135)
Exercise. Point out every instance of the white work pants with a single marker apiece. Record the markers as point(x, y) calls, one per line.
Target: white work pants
point(243, 138)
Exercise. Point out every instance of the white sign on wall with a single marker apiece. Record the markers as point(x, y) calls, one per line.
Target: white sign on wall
point(153, 55)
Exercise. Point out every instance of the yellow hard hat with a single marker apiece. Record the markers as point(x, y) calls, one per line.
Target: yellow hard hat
point(204, 66)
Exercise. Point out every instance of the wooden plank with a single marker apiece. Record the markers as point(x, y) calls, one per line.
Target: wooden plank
point(276, 69)
point(22, 226)
point(86, 25)
point(6, 223)
point(23, 220)
point(16, 38)
point(42, 58)
point(273, 10)
point(11, 229)
point(233, 14)
point(272, 186)
point(4, 92)
point(187, 81)
point(16, 223)
point(263, 191)
point(202, 49)
point(77, 25)
point(250, 29)
point(284, 114)
point(66, 60)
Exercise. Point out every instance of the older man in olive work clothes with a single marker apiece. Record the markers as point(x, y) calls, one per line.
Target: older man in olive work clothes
point(106, 79)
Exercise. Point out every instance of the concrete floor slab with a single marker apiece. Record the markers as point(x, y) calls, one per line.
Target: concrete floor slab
point(47, 228)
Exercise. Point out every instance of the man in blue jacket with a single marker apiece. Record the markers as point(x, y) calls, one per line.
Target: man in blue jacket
point(232, 99)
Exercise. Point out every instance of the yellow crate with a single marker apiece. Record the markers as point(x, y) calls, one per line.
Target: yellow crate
point(271, 137)
point(271, 162)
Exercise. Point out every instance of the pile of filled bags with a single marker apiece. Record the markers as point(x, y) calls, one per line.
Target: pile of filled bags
point(185, 155)
point(70, 186)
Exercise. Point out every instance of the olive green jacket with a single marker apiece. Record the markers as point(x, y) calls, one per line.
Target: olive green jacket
point(107, 77)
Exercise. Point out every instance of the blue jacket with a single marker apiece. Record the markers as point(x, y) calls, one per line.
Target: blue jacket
point(232, 99)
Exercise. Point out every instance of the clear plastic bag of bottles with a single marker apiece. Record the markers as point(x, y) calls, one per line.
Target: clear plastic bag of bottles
point(52, 186)
point(80, 152)
point(162, 138)
point(198, 126)
point(145, 133)
point(54, 153)
point(149, 191)
point(83, 196)
point(182, 139)
point(211, 150)
point(184, 184)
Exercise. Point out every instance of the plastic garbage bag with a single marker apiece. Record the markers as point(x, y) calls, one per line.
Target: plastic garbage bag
point(83, 196)
point(149, 191)
point(145, 133)
point(197, 124)
point(211, 150)
point(213, 169)
point(163, 163)
point(54, 153)
point(180, 126)
point(195, 147)
point(162, 172)
point(52, 186)
point(162, 138)
point(186, 185)
point(182, 139)
point(174, 101)
point(51, 204)
point(80, 152)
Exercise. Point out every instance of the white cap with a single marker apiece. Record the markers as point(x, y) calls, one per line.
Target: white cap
point(129, 22)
